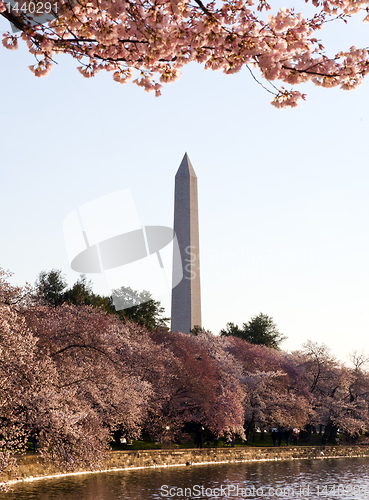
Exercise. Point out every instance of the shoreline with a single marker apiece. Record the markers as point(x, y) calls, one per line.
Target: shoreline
point(35, 468)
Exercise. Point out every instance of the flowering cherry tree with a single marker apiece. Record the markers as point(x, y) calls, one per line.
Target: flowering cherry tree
point(24, 375)
point(275, 392)
point(64, 377)
point(17, 382)
point(151, 40)
point(339, 395)
point(202, 391)
point(95, 390)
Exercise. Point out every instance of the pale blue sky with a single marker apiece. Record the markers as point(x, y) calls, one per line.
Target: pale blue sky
point(282, 194)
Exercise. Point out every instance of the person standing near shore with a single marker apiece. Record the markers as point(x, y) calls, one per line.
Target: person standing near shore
point(280, 435)
point(287, 435)
point(295, 437)
point(274, 436)
point(35, 441)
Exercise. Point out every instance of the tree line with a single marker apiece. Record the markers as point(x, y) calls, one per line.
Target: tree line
point(75, 375)
point(51, 288)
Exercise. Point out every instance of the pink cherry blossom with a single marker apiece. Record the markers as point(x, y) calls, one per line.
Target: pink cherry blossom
point(154, 39)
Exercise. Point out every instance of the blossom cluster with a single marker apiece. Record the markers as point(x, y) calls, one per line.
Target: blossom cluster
point(152, 40)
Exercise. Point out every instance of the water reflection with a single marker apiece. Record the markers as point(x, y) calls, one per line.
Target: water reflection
point(329, 479)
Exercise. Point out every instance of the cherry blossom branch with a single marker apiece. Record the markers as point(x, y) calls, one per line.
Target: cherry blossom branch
point(156, 39)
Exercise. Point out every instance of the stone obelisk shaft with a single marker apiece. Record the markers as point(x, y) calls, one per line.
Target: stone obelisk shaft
point(186, 300)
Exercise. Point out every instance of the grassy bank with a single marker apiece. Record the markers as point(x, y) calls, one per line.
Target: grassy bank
point(255, 440)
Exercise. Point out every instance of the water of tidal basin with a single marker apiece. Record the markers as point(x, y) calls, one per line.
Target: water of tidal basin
point(330, 479)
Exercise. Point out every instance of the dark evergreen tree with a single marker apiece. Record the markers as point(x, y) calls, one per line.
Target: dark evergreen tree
point(50, 286)
point(261, 330)
point(139, 307)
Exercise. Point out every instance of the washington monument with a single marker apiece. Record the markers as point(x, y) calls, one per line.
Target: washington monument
point(186, 300)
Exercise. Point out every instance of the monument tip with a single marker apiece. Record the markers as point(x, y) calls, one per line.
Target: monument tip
point(186, 167)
